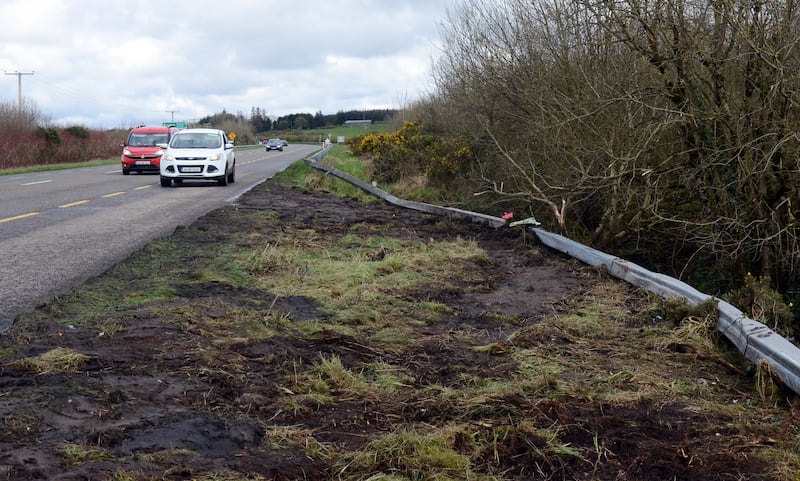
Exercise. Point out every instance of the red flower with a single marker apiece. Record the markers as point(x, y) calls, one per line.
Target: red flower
point(507, 216)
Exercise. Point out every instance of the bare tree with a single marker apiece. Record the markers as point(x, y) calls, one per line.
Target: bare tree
point(665, 126)
point(728, 70)
point(14, 120)
point(549, 92)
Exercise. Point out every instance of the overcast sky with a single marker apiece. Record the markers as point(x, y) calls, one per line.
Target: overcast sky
point(108, 63)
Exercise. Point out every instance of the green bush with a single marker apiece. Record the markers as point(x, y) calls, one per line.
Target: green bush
point(78, 131)
point(50, 135)
point(764, 304)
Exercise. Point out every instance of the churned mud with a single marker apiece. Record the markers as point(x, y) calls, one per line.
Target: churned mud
point(174, 389)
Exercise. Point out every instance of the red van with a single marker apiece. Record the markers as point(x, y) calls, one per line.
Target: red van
point(141, 151)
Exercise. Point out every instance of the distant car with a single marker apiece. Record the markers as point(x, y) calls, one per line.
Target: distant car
point(141, 151)
point(284, 142)
point(198, 154)
point(274, 144)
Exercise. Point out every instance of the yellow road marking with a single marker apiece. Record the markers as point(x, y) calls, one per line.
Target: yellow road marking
point(17, 217)
point(73, 204)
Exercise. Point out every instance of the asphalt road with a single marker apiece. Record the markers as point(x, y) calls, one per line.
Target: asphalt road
point(59, 228)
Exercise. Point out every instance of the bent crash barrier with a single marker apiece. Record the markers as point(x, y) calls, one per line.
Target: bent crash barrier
point(757, 342)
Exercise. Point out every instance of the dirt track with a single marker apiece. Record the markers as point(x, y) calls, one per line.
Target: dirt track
point(176, 391)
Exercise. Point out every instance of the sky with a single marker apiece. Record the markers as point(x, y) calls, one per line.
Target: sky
point(117, 64)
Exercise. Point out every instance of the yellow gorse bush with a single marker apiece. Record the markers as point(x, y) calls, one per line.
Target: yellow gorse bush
point(409, 152)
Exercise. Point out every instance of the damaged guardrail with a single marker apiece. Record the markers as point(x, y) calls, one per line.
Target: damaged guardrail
point(756, 341)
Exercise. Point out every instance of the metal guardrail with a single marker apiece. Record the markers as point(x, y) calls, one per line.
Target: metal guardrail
point(757, 342)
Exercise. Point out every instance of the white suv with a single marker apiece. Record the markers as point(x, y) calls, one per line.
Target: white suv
point(198, 154)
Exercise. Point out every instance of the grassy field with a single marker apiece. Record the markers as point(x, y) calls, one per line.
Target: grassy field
point(316, 135)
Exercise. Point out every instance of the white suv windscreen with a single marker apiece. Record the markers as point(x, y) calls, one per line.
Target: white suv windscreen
point(196, 141)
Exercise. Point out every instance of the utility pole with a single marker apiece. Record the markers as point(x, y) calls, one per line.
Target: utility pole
point(172, 112)
point(19, 86)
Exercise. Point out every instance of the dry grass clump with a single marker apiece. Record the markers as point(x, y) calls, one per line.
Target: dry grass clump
point(75, 454)
point(58, 360)
point(407, 454)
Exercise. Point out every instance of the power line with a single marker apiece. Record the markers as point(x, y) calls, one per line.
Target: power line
point(19, 85)
point(76, 95)
point(42, 78)
point(134, 111)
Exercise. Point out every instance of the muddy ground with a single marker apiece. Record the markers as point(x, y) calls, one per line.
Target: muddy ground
point(162, 395)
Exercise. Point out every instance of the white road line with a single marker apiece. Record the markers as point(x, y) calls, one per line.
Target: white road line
point(38, 182)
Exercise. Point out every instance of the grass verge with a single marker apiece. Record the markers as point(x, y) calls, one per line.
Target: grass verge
point(297, 335)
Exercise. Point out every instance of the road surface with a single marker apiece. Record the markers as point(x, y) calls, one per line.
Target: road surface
point(59, 228)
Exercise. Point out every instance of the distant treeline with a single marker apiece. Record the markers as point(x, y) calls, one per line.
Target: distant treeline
point(261, 122)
